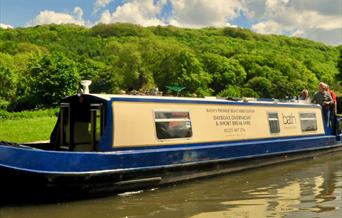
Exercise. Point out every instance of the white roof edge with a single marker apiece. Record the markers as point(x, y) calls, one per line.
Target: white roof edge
point(108, 97)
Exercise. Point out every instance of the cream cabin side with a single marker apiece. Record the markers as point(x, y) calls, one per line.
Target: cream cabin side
point(152, 123)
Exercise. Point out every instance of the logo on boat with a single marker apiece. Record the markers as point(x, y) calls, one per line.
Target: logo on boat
point(289, 119)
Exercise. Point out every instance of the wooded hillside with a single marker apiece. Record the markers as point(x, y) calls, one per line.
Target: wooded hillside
point(40, 65)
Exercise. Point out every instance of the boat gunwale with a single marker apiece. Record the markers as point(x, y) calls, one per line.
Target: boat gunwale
point(171, 165)
point(184, 149)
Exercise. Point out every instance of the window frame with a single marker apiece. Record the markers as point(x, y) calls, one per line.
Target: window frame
point(300, 120)
point(272, 119)
point(171, 119)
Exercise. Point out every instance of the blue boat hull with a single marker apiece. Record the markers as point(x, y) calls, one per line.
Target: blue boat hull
point(24, 187)
point(35, 172)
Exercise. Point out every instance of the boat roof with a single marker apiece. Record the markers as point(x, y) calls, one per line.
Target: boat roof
point(209, 99)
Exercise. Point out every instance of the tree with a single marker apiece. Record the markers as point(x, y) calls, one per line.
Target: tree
point(225, 72)
point(52, 77)
point(132, 68)
point(230, 91)
point(261, 85)
point(339, 64)
point(8, 80)
point(119, 29)
point(182, 68)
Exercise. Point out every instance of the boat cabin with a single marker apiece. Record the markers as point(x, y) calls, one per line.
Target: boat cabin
point(96, 122)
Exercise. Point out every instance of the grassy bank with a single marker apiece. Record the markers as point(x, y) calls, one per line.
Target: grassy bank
point(27, 126)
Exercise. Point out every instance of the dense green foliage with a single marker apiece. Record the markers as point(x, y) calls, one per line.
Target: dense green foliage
point(39, 65)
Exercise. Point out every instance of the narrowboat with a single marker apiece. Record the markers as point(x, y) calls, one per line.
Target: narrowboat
point(105, 144)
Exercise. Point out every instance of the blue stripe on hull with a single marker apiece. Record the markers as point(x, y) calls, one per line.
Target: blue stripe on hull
point(58, 162)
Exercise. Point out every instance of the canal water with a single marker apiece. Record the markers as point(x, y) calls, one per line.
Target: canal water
point(306, 188)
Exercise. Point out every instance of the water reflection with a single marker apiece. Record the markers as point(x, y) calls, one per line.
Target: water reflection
point(310, 188)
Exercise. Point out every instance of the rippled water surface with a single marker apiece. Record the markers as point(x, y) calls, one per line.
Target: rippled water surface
point(307, 188)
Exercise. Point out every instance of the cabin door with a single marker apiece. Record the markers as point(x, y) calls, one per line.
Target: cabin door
point(81, 127)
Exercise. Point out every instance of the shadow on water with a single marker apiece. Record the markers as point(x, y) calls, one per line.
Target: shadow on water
point(309, 188)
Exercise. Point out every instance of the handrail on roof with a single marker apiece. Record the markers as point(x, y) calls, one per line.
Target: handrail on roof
point(258, 100)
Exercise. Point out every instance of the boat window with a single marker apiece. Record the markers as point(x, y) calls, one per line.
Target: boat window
point(308, 121)
point(172, 124)
point(273, 122)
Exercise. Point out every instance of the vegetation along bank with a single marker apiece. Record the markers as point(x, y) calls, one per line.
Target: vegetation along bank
point(40, 65)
